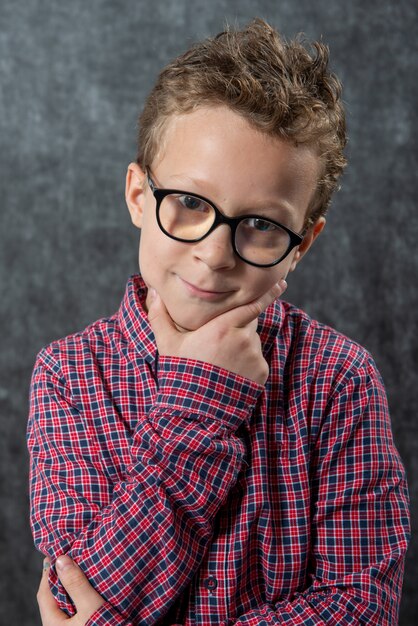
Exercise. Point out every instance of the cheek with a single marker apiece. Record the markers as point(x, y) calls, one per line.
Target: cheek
point(157, 257)
point(263, 280)
point(148, 266)
point(147, 263)
point(283, 268)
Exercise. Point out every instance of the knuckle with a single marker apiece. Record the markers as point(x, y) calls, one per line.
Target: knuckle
point(74, 579)
point(245, 342)
point(220, 332)
point(263, 374)
point(256, 308)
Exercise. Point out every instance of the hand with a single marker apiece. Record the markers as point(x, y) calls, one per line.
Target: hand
point(230, 340)
point(85, 598)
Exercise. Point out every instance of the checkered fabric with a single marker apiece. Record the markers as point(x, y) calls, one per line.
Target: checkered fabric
point(191, 495)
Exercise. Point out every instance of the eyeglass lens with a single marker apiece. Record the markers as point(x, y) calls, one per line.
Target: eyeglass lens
point(190, 218)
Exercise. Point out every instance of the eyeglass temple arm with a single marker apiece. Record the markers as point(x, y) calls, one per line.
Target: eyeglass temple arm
point(150, 181)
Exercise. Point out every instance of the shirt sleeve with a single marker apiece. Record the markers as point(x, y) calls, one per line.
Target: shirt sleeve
point(360, 518)
point(142, 547)
point(106, 615)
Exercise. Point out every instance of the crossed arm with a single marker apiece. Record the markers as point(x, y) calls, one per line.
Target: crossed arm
point(341, 600)
point(371, 592)
point(183, 466)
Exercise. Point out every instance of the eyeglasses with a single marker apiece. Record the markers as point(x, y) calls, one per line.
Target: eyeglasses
point(190, 218)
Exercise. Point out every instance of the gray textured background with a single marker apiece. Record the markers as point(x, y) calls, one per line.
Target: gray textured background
point(73, 77)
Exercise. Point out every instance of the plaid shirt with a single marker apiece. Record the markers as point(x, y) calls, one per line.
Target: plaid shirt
point(191, 495)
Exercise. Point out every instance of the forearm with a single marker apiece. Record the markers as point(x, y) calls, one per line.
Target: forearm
point(142, 548)
point(153, 536)
point(108, 616)
point(368, 597)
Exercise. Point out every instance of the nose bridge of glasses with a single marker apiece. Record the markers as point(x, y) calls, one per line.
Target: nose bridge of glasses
point(221, 219)
point(216, 248)
point(221, 234)
point(219, 239)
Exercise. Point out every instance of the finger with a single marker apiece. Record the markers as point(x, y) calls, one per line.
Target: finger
point(48, 608)
point(159, 318)
point(85, 597)
point(243, 315)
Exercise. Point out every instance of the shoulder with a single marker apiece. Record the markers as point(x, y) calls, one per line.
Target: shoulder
point(325, 375)
point(103, 344)
point(320, 351)
point(99, 341)
point(308, 331)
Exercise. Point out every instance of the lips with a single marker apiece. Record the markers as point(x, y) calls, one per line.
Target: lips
point(206, 293)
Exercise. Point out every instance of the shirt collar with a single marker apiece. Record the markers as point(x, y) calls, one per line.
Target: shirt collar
point(134, 321)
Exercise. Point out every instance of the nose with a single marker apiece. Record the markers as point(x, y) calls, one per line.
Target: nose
point(216, 249)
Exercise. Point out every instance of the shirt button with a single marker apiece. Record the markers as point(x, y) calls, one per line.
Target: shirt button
point(211, 583)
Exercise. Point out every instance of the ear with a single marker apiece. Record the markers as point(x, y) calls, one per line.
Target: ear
point(313, 232)
point(134, 193)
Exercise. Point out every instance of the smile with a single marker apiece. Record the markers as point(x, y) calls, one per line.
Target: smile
point(204, 294)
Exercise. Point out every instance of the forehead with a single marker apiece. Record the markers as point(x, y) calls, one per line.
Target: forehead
point(216, 152)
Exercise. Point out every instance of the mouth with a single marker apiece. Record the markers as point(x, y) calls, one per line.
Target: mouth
point(205, 294)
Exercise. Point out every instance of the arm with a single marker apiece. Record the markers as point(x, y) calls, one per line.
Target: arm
point(360, 517)
point(142, 547)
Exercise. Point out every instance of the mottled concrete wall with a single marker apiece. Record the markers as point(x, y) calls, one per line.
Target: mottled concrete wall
point(73, 76)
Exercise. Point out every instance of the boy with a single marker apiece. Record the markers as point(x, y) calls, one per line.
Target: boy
point(210, 454)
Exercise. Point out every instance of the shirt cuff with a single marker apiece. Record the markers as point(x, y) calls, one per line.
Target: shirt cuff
point(204, 389)
point(107, 616)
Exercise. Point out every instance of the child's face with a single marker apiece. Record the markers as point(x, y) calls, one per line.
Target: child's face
point(217, 154)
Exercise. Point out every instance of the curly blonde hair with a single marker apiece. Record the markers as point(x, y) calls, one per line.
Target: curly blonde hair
point(282, 88)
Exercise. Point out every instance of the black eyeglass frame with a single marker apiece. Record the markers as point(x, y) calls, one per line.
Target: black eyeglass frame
point(233, 222)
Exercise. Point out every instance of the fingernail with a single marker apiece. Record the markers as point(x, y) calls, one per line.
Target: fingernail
point(63, 562)
point(283, 284)
point(46, 564)
point(152, 293)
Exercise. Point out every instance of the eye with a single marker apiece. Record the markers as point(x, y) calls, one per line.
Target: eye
point(259, 224)
point(193, 204)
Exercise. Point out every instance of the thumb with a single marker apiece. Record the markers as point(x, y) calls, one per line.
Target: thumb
point(76, 584)
point(158, 316)
point(48, 608)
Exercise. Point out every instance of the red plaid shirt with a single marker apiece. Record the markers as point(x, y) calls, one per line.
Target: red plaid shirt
point(191, 495)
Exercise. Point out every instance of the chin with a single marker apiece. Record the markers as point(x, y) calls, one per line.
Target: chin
point(188, 323)
point(185, 326)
